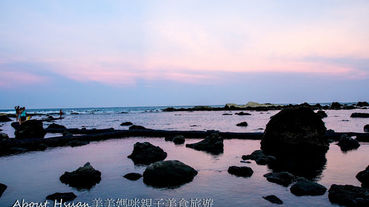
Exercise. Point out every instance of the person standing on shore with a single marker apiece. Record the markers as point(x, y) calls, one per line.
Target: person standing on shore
point(17, 112)
point(23, 115)
point(61, 114)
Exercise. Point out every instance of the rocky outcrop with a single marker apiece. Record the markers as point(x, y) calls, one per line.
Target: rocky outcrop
point(259, 157)
point(240, 171)
point(2, 189)
point(359, 115)
point(335, 106)
point(212, 144)
point(306, 187)
point(242, 124)
point(30, 129)
point(348, 195)
point(347, 143)
point(362, 104)
point(132, 176)
point(146, 153)
point(4, 118)
point(65, 196)
point(136, 127)
point(322, 114)
point(179, 139)
point(55, 128)
point(83, 178)
point(273, 199)
point(128, 123)
point(171, 173)
point(363, 177)
point(281, 178)
point(3, 136)
point(243, 113)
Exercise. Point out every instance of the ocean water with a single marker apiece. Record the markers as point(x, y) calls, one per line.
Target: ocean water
point(34, 175)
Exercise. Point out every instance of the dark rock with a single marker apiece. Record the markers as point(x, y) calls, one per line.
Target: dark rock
point(322, 114)
point(169, 138)
point(3, 136)
point(2, 189)
point(67, 133)
point(212, 144)
point(243, 113)
point(348, 195)
point(84, 177)
point(133, 176)
point(56, 126)
point(135, 127)
point(335, 105)
point(306, 187)
point(273, 199)
point(242, 124)
point(297, 131)
point(146, 153)
point(179, 139)
point(76, 142)
point(347, 143)
point(281, 178)
point(171, 173)
point(15, 125)
point(363, 177)
point(65, 196)
point(259, 157)
point(227, 114)
point(128, 123)
point(240, 171)
point(30, 129)
point(360, 115)
point(243, 161)
point(4, 118)
point(362, 103)
point(366, 128)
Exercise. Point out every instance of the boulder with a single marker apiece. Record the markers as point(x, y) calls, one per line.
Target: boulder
point(179, 139)
point(322, 114)
point(347, 143)
point(83, 178)
point(242, 124)
point(348, 195)
point(169, 138)
point(56, 126)
point(146, 153)
point(212, 144)
point(171, 173)
point(362, 103)
point(366, 128)
point(335, 105)
point(363, 177)
point(243, 113)
point(3, 136)
point(132, 176)
point(4, 118)
point(359, 115)
point(259, 157)
point(281, 178)
point(293, 131)
point(30, 129)
point(240, 171)
point(128, 123)
point(273, 199)
point(65, 196)
point(2, 189)
point(136, 127)
point(306, 187)
point(227, 114)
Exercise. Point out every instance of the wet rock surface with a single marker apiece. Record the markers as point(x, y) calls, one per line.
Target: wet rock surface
point(212, 144)
point(136, 127)
point(363, 177)
point(366, 128)
point(243, 113)
point(347, 143)
point(281, 178)
point(128, 123)
point(132, 176)
point(30, 129)
point(84, 177)
point(305, 187)
point(242, 124)
point(322, 114)
point(171, 173)
point(4, 118)
point(348, 195)
point(273, 199)
point(240, 171)
point(260, 158)
point(179, 139)
point(69, 196)
point(146, 153)
point(360, 115)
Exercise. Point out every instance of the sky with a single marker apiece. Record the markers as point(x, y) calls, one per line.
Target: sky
point(92, 53)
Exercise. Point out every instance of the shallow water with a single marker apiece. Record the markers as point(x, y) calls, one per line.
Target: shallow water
point(35, 175)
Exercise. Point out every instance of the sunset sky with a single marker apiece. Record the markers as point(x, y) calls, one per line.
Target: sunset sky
point(141, 53)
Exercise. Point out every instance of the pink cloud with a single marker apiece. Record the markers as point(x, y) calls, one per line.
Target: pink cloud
point(10, 79)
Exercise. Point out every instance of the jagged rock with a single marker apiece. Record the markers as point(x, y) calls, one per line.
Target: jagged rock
point(146, 153)
point(212, 144)
point(4, 118)
point(360, 115)
point(84, 177)
point(281, 178)
point(366, 128)
point(128, 123)
point(2, 189)
point(240, 171)
point(242, 124)
point(273, 199)
point(362, 103)
point(336, 105)
point(30, 129)
point(243, 113)
point(135, 127)
point(171, 173)
point(347, 143)
point(259, 157)
point(322, 114)
point(65, 196)
point(133, 176)
point(306, 187)
point(348, 195)
point(363, 177)
point(179, 139)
